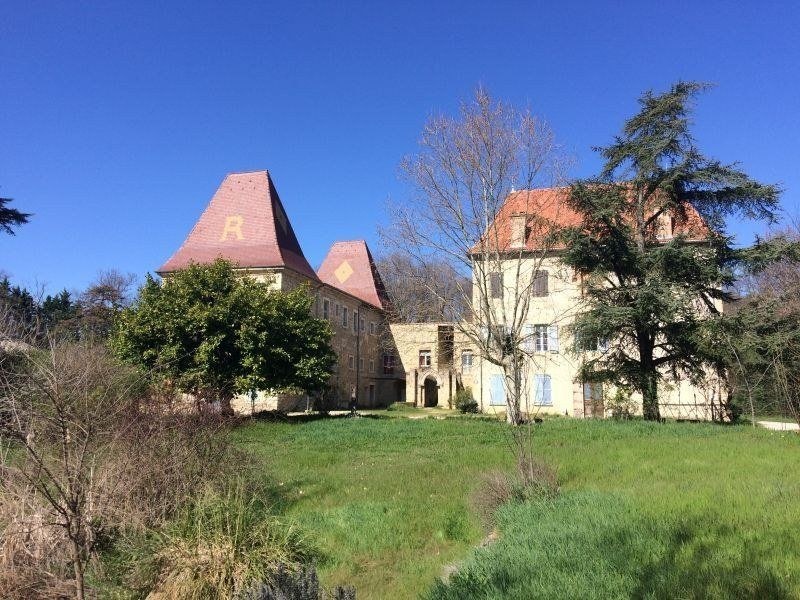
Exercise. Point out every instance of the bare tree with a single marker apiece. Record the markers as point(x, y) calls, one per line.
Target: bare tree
point(418, 290)
point(103, 299)
point(81, 447)
point(465, 213)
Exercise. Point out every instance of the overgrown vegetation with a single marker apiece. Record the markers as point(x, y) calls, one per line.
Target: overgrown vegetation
point(354, 485)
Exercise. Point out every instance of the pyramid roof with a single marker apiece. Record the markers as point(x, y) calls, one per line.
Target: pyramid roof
point(245, 223)
point(349, 266)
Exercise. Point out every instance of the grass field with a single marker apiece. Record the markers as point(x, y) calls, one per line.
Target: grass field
point(646, 510)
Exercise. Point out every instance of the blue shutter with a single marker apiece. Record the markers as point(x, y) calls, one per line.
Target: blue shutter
point(497, 391)
point(543, 394)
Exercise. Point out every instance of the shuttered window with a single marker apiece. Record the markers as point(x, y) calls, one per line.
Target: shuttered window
point(542, 390)
point(540, 284)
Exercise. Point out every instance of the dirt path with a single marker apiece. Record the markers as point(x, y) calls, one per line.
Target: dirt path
point(779, 426)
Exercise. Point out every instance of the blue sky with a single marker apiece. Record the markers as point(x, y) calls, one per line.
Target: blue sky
point(119, 120)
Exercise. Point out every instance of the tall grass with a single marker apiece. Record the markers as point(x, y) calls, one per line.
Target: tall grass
point(218, 546)
point(388, 500)
point(601, 545)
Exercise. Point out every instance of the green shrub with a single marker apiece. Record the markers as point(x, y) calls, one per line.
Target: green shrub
point(465, 402)
point(621, 405)
point(223, 544)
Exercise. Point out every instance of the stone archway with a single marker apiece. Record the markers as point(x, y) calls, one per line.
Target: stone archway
point(430, 392)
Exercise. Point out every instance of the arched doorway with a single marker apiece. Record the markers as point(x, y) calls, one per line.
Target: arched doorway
point(431, 392)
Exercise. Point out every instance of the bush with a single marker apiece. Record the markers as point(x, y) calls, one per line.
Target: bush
point(534, 480)
point(221, 545)
point(621, 405)
point(465, 402)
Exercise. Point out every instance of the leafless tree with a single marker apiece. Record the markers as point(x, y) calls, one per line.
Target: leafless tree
point(109, 293)
point(465, 174)
point(83, 447)
point(417, 290)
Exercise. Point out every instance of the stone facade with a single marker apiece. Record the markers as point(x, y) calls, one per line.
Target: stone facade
point(437, 359)
point(425, 364)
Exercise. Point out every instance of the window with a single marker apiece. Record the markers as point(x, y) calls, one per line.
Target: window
point(540, 284)
point(544, 338)
point(590, 344)
point(373, 329)
point(360, 364)
point(336, 309)
point(540, 338)
point(518, 231)
point(371, 365)
point(388, 364)
point(355, 321)
point(326, 308)
point(496, 285)
point(362, 324)
point(351, 363)
point(497, 391)
point(344, 316)
point(466, 361)
point(424, 358)
point(542, 390)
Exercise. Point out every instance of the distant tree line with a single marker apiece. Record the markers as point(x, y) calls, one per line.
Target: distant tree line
point(84, 315)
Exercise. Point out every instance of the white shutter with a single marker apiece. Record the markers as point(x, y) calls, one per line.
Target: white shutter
point(527, 332)
point(552, 338)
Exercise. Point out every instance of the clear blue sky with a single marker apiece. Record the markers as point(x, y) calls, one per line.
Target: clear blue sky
point(117, 122)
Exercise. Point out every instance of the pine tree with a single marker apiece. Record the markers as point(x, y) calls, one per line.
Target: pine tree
point(647, 291)
point(10, 217)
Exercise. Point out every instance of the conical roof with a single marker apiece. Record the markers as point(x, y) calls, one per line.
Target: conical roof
point(349, 266)
point(245, 223)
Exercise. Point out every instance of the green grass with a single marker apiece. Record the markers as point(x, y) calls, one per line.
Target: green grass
point(647, 510)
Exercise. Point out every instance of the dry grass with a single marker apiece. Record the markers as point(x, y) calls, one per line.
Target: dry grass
point(534, 479)
point(222, 545)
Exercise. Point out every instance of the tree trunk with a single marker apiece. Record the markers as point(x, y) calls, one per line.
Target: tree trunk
point(225, 408)
point(648, 375)
point(77, 565)
point(650, 397)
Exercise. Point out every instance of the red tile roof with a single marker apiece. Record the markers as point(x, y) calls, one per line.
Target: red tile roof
point(547, 211)
point(349, 266)
point(245, 222)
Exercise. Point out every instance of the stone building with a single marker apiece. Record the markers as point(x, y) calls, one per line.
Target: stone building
point(517, 261)
point(245, 222)
point(437, 360)
point(424, 364)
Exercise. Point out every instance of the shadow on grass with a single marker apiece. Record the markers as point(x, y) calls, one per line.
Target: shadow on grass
point(268, 416)
point(594, 545)
point(703, 559)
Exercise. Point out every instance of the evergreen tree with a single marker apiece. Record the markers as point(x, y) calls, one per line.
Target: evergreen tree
point(19, 303)
point(653, 294)
point(10, 217)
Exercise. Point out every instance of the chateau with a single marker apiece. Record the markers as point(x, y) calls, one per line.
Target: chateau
point(426, 363)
